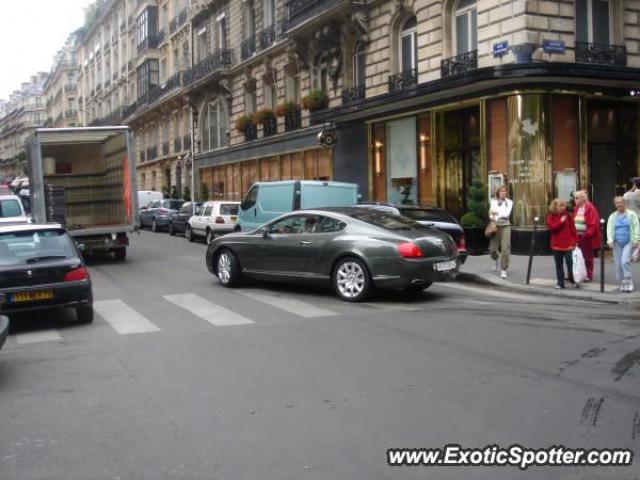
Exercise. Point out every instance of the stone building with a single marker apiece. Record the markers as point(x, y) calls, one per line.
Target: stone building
point(61, 89)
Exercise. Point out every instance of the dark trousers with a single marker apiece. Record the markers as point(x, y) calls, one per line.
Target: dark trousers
point(587, 253)
point(559, 256)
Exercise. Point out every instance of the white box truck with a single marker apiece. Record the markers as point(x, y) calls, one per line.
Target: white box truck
point(85, 179)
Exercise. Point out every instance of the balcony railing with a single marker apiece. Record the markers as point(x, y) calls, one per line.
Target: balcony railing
point(186, 142)
point(267, 37)
point(165, 149)
point(218, 60)
point(353, 95)
point(403, 80)
point(292, 120)
point(250, 132)
point(151, 41)
point(177, 145)
point(270, 127)
point(248, 47)
point(601, 54)
point(300, 10)
point(459, 65)
point(71, 88)
point(178, 21)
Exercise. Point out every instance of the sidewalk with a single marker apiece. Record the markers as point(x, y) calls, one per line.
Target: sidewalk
point(479, 269)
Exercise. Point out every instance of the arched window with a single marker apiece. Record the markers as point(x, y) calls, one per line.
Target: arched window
point(465, 26)
point(214, 126)
point(359, 65)
point(409, 44)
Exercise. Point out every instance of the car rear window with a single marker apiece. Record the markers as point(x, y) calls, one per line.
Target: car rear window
point(229, 209)
point(20, 248)
point(384, 220)
point(428, 215)
point(173, 204)
point(10, 208)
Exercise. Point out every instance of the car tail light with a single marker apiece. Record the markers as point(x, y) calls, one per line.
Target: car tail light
point(76, 275)
point(409, 250)
point(462, 243)
point(219, 220)
point(162, 211)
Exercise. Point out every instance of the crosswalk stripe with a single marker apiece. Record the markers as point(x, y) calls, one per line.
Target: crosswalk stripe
point(37, 337)
point(291, 305)
point(124, 319)
point(212, 313)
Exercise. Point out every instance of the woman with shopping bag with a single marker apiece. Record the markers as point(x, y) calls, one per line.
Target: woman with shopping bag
point(500, 245)
point(564, 240)
point(623, 236)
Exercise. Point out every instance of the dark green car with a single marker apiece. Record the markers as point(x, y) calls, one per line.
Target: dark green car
point(353, 249)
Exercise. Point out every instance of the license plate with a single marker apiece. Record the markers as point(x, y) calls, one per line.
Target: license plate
point(234, 218)
point(446, 266)
point(32, 296)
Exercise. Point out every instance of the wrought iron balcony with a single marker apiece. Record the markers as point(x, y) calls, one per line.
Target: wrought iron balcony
point(151, 41)
point(186, 142)
point(177, 145)
point(178, 21)
point(459, 65)
point(601, 54)
point(248, 47)
point(270, 127)
point(300, 10)
point(292, 120)
point(250, 132)
point(403, 80)
point(129, 110)
point(215, 62)
point(267, 37)
point(353, 95)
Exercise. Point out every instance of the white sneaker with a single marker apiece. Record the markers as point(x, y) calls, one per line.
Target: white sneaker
point(503, 274)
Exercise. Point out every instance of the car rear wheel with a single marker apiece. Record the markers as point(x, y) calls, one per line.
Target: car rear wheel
point(120, 253)
point(228, 269)
point(188, 234)
point(351, 280)
point(85, 314)
point(172, 232)
point(210, 237)
point(154, 226)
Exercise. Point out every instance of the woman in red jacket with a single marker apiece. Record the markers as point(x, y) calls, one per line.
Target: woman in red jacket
point(587, 222)
point(564, 238)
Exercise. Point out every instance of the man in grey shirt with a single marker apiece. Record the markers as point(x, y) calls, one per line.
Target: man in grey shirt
point(632, 201)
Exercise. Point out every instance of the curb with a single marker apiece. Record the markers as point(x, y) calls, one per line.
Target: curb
point(489, 280)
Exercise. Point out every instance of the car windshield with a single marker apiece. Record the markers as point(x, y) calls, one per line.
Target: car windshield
point(173, 204)
point(428, 215)
point(21, 248)
point(10, 208)
point(384, 220)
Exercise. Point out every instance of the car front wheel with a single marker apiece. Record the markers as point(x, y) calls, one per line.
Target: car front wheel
point(85, 314)
point(351, 280)
point(228, 269)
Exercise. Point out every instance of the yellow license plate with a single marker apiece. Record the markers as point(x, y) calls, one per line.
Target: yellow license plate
point(32, 296)
point(234, 218)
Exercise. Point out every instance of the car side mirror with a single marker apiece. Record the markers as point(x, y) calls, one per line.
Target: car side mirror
point(265, 234)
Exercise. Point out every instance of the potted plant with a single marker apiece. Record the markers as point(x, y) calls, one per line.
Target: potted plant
point(267, 118)
point(246, 124)
point(291, 112)
point(475, 220)
point(316, 100)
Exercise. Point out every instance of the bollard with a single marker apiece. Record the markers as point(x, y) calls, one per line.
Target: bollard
point(533, 248)
point(603, 243)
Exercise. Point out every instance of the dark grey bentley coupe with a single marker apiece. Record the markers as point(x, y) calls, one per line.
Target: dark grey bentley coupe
point(353, 249)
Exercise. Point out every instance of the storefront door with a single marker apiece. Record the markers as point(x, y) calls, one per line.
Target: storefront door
point(604, 176)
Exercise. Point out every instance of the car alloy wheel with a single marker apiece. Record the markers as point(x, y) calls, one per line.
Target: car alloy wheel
point(351, 280)
point(224, 268)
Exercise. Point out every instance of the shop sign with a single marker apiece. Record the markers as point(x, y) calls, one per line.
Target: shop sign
point(554, 46)
point(524, 173)
point(500, 49)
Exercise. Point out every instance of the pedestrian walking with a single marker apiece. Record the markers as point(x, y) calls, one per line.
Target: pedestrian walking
point(587, 222)
point(623, 236)
point(564, 239)
point(632, 201)
point(500, 213)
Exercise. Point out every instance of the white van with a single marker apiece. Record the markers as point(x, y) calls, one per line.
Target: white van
point(146, 197)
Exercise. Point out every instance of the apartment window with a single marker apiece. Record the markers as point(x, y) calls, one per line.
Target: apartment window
point(359, 65)
point(165, 19)
point(593, 21)
point(250, 97)
point(408, 44)
point(221, 22)
point(465, 26)
point(215, 126)
point(319, 77)
point(147, 77)
point(270, 90)
point(292, 87)
point(203, 46)
point(250, 19)
point(147, 25)
point(176, 60)
point(186, 61)
point(269, 13)
point(163, 70)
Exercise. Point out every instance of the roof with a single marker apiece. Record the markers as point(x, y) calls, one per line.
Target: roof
point(30, 227)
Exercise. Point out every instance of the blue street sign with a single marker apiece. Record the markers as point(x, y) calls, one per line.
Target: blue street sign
point(501, 48)
point(553, 46)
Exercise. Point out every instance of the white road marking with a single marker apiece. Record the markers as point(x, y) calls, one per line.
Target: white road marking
point(124, 319)
point(212, 313)
point(37, 337)
point(291, 305)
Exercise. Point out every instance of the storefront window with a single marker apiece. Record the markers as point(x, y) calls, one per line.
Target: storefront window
point(402, 161)
point(527, 158)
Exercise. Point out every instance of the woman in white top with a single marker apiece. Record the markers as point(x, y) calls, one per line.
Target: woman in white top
point(500, 213)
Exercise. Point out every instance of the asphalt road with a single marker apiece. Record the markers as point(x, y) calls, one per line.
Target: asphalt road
point(180, 378)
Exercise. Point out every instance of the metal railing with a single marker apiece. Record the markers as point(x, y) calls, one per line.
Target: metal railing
point(292, 120)
point(215, 62)
point(459, 65)
point(601, 54)
point(297, 11)
point(250, 132)
point(403, 80)
point(248, 47)
point(151, 41)
point(353, 95)
point(270, 127)
point(267, 37)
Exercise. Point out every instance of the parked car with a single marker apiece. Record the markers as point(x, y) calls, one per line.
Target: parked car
point(40, 268)
point(147, 197)
point(353, 249)
point(429, 216)
point(158, 215)
point(12, 210)
point(4, 329)
point(215, 218)
point(267, 200)
point(178, 223)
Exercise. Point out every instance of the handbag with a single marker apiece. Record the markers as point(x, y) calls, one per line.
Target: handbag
point(579, 266)
point(491, 229)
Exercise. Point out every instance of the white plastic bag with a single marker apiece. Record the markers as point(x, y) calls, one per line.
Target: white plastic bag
point(579, 267)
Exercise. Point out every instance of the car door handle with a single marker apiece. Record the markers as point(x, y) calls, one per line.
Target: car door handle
point(304, 242)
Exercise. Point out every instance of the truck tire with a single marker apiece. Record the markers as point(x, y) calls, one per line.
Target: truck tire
point(85, 314)
point(120, 253)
